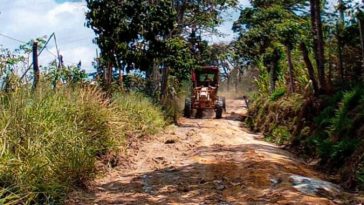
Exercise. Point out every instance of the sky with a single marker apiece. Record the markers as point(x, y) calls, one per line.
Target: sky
point(28, 19)
point(24, 20)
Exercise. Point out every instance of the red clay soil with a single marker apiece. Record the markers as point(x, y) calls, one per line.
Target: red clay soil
point(206, 161)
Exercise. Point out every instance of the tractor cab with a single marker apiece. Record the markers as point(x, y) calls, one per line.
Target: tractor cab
point(206, 77)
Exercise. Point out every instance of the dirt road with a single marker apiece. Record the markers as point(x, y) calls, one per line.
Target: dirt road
point(209, 161)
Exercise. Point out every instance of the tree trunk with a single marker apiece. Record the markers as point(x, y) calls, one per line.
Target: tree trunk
point(291, 70)
point(110, 77)
point(340, 63)
point(361, 26)
point(35, 65)
point(272, 81)
point(318, 41)
point(340, 42)
point(120, 68)
point(120, 80)
point(227, 73)
point(274, 70)
point(105, 74)
point(310, 69)
point(164, 84)
point(155, 78)
point(238, 80)
point(329, 76)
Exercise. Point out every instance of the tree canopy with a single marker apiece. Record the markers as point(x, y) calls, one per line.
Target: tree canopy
point(136, 33)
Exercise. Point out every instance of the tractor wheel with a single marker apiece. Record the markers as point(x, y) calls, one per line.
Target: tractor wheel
point(188, 108)
point(223, 100)
point(219, 109)
point(223, 103)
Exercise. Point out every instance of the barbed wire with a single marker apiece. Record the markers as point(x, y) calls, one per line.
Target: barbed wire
point(50, 52)
point(46, 47)
point(12, 38)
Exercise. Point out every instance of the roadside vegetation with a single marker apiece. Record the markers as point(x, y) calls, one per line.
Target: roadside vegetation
point(310, 84)
point(50, 139)
point(328, 128)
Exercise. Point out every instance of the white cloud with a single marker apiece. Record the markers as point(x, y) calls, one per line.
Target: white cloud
point(29, 19)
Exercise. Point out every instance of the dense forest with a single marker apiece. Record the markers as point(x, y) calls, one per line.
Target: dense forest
point(300, 63)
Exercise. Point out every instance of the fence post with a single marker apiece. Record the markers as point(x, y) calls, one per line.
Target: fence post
point(35, 65)
point(246, 100)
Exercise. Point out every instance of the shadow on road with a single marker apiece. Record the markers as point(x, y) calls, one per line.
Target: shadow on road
point(240, 176)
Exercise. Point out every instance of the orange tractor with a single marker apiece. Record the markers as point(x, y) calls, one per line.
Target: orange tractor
point(204, 93)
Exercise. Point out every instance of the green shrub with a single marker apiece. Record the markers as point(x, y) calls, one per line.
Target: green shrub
point(335, 152)
point(342, 122)
point(280, 135)
point(278, 93)
point(343, 149)
point(324, 119)
point(291, 105)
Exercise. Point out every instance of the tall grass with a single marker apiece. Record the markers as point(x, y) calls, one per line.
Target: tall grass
point(138, 114)
point(50, 140)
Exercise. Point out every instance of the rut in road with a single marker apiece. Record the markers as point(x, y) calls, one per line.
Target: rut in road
point(209, 161)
